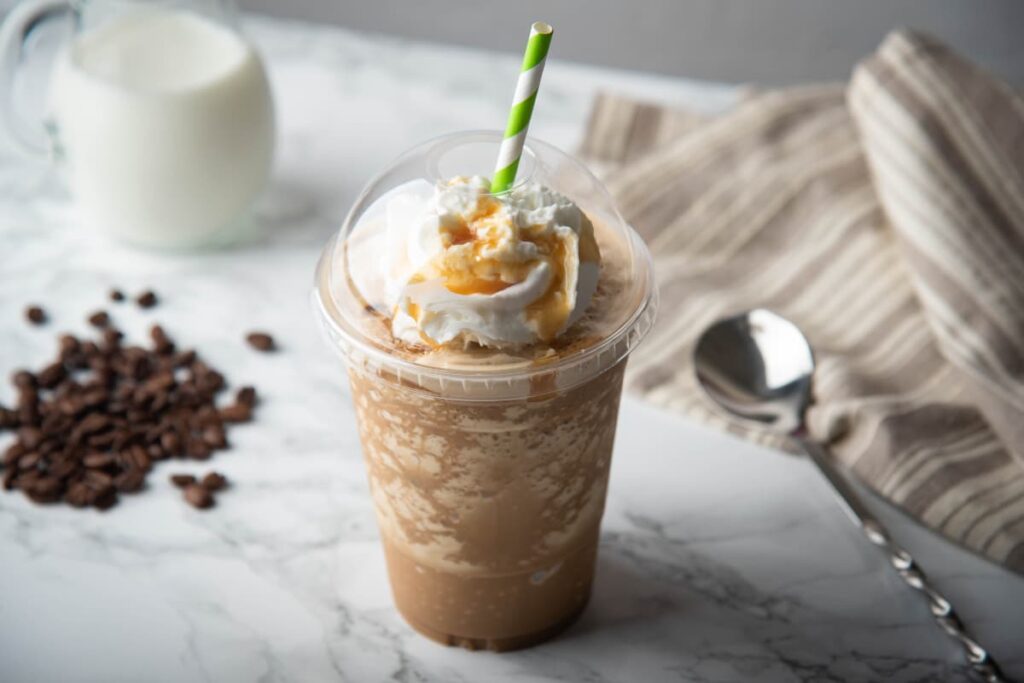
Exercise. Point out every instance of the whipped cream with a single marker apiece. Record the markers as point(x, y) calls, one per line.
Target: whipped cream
point(456, 265)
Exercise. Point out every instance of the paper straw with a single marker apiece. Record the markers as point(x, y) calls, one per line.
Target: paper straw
point(522, 107)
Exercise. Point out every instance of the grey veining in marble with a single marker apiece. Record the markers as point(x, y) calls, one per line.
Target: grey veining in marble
point(720, 561)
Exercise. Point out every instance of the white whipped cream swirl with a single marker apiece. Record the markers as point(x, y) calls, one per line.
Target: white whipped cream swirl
point(458, 265)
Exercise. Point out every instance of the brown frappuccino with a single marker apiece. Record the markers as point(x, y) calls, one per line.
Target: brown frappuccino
point(486, 338)
point(489, 511)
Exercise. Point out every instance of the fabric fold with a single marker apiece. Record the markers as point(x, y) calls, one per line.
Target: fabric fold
point(846, 211)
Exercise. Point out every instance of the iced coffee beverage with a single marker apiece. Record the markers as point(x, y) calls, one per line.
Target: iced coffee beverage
point(485, 338)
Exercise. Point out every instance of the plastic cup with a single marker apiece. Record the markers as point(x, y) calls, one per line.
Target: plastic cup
point(489, 477)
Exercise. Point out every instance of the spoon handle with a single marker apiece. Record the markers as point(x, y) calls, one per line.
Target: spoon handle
point(980, 661)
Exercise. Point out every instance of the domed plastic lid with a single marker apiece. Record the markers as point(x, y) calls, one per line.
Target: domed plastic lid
point(357, 322)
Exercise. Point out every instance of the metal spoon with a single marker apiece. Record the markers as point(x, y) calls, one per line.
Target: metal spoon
point(758, 367)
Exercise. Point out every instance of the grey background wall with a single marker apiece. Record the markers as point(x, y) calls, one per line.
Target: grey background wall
point(762, 41)
point(769, 42)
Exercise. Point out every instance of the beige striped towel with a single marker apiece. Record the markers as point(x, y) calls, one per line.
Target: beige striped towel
point(887, 220)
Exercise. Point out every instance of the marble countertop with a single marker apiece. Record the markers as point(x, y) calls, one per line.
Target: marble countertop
point(720, 561)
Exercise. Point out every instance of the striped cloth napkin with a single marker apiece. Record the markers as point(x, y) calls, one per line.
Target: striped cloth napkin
point(886, 219)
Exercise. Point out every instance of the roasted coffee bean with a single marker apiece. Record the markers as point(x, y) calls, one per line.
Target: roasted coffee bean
point(161, 343)
point(116, 295)
point(197, 496)
point(214, 436)
point(139, 458)
point(45, 490)
point(29, 461)
point(198, 449)
point(78, 495)
point(70, 406)
point(97, 480)
point(63, 468)
point(28, 411)
point(30, 437)
point(50, 376)
point(130, 481)
point(214, 481)
point(93, 423)
point(8, 418)
point(23, 379)
point(69, 344)
point(147, 299)
point(105, 499)
point(184, 358)
point(236, 412)
point(97, 460)
point(99, 319)
point(13, 452)
point(261, 341)
point(35, 315)
point(246, 396)
point(182, 480)
point(171, 443)
point(210, 382)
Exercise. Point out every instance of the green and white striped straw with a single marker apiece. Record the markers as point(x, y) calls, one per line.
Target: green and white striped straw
point(522, 107)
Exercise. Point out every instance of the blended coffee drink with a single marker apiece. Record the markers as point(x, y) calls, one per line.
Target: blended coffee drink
point(486, 337)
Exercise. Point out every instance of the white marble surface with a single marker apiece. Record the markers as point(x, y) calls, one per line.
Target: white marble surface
point(720, 561)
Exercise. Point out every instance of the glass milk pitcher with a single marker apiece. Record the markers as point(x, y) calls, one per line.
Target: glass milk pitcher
point(159, 113)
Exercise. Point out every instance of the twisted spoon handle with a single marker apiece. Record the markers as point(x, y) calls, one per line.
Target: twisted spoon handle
point(980, 661)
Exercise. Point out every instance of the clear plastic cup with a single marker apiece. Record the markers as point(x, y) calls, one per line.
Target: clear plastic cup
point(489, 471)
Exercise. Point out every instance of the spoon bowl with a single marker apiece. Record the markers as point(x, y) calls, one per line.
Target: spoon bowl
point(758, 366)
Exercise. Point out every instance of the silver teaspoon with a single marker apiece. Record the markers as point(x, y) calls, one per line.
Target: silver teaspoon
point(757, 366)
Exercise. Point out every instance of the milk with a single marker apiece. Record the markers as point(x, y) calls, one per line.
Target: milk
point(166, 122)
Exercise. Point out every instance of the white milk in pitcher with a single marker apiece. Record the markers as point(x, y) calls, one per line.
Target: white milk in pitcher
point(167, 125)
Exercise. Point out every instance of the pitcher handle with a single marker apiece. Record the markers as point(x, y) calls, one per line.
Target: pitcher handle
point(34, 139)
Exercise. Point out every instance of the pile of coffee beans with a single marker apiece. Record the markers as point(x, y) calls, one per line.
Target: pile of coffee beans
point(90, 425)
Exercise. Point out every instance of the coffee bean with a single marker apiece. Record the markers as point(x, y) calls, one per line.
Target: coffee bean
point(97, 460)
point(182, 480)
point(98, 480)
point(147, 299)
point(139, 458)
point(236, 412)
point(99, 319)
point(198, 449)
point(13, 452)
point(64, 468)
point(171, 443)
point(130, 481)
point(214, 481)
point(30, 437)
point(8, 418)
point(214, 436)
point(78, 495)
point(198, 497)
point(161, 344)
point(116, 295)
point(51, 375)
point(45, 490)
point(261, 341)
point(23, 379)
point(96, 422)
point(29, 461)
point(105, 499)
point(35, 315)
point(246, 396)
point(69, 344)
